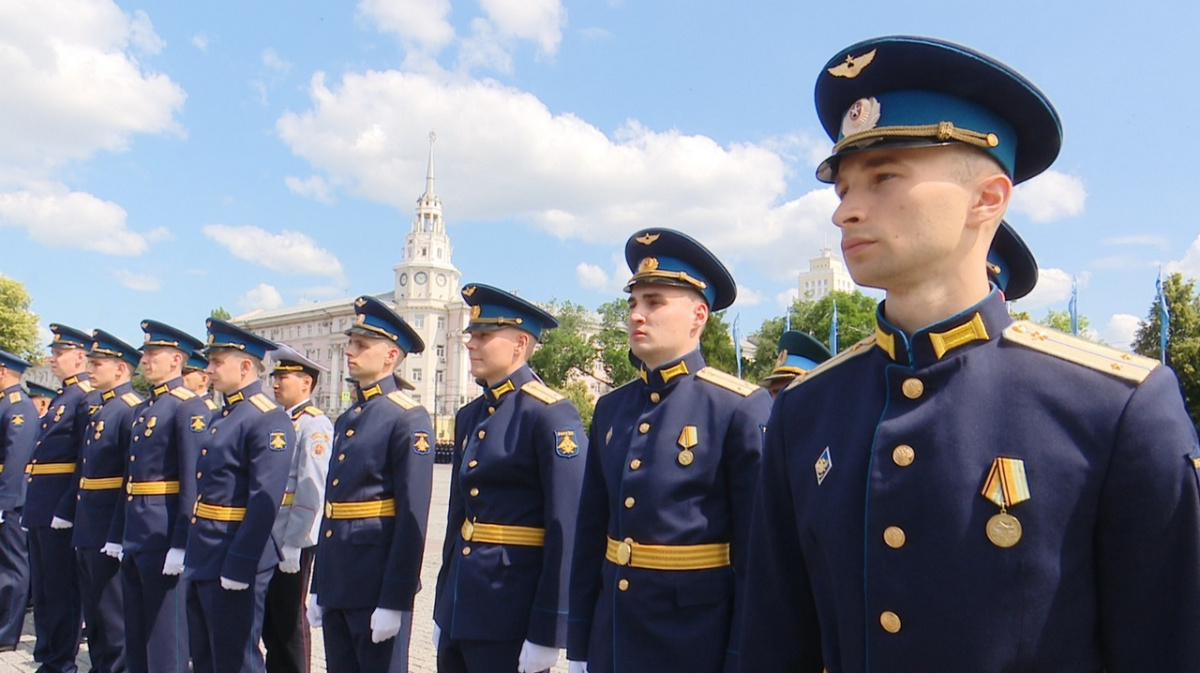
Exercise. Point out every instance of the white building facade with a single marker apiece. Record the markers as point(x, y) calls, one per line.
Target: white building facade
point(825, 274)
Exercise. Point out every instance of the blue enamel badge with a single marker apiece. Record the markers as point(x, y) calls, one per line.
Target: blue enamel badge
point(420, 442)
point(823, 465)
point(565, 444)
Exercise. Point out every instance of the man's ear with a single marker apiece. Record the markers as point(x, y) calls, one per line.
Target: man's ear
point(991, 199)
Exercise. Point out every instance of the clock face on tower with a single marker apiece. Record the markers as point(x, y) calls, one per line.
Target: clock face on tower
point(404, 279)
point(420, 277)
point(441, 279)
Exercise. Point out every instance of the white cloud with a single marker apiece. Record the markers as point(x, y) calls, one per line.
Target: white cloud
point(71, 87)
point(1050, 196)
point(748, 297)
point(159, 234)
point(142, 35)
point(368, 135)
point(272, 60)
point(200, 41)
point(1150, 240)
point(286, 252)
point(262, 296)
point(595, 34)
point(591, 276)
point(58, 218)
point(421, 24)
point(137, 281)
point(1120, 330)
point(1053, 287)
point(540, 21)
point(1189, 266)
point(788, 297)
point(313, 187)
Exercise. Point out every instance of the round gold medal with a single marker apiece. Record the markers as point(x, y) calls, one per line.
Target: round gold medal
point(1004, 530)
point(686, 457)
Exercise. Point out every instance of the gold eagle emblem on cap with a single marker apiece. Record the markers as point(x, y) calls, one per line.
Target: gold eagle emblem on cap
point(853, 65)
point(647, 238)
point(648, 264)
point(360, 302)
point(468, 290)
point(476, 311)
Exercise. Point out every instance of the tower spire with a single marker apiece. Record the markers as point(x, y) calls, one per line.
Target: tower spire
point(429, 173)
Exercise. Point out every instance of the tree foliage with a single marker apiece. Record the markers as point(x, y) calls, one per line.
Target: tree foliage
point(579, 395)
point(716, 344)
point(1061, 321)
point(856, 320)
point(612, 341)
point(566, 349)
point(1183, 337)
point(220, 313)
point(18, 325)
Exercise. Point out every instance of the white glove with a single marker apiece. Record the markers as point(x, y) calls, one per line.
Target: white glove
point(577, 667)
point(385, 624)
point(173, 565)
point(113, 549)
point(437, 636)
point(233, 585)
point(536, 658)
point(291, 560)
point(61, 524)
point(316, 613)
point(1, 516)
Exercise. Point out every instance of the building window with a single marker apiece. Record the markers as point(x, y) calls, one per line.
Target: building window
point(441, 376)
point(419, 321)
point(417, 398)
point(416, 376)
point(441, 322)
point(441, 351)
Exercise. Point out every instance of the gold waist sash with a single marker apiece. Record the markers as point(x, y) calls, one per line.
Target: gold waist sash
point(220, 512)
point(100, 484)
point(152, 487)
point(667, 557)
point(494, 533)
point(360, 510)
point(50, 468)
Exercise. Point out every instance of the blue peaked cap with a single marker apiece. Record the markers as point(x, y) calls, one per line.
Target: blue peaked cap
point(493, 308)
point(1011, 264)
point(225, 335)
point(69, 337)
point(18, 365)
point(162, 334)
point(373, 318)
point(108, 346)
point(669, 257)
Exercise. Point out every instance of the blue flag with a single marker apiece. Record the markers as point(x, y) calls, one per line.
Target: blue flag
point(1164, 318)
point(1073, 308)
point(737, 344)
point(833, 341)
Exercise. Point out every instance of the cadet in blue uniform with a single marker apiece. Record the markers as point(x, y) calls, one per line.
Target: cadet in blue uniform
point(368, 566)
point(520, 453)
point(961, 492)
point(49, 502)
point(150, 530)
point(673, 460)
point(18, 432)
point(101, 478)
point(240, 479)
point(195, 378)
point(286, 633)
point(41, 396)
point(798, 353)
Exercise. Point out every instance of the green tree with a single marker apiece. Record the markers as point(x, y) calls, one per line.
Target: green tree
point(856, 320)
point(577, 392)
point(1183, 337)
point(716, 344)
point(613, 342)
point(566, 349)
point(766, 340)
point(220, 313)
point(1061, 321)
point(18, 325)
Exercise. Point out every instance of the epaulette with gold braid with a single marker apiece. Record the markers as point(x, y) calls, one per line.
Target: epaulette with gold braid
point(542, 392)
point(212, 406)
point(14, 397)
point(312, 410)
point(401, 400)
point(86, 386)
point(1118, 363)
point(182, 393)
point(726, 381)
point(132, 399)
point(263, 402)
point(854, 351)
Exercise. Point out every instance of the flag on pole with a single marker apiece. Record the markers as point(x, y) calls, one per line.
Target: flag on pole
point(737, 344)
point(1073, 308)
point(833, 324)
point(787, 322)
point(1164, 318)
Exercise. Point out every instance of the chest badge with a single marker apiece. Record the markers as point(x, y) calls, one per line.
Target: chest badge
point(197, 424)
point(565, 444)
point(608, 436)
point(420, 442)
point(277, 441)
point(18, 419)
point(689, 437)
point(99, 430)
point(1006, 485)
point(823, 465)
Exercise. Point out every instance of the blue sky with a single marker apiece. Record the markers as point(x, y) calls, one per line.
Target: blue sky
point(158, 159)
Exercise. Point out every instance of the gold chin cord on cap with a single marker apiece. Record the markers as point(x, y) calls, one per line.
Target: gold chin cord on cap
point(675, 276)
point(942, 131)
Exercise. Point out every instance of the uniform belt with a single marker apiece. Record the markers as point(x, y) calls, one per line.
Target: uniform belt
point(288, 499)
point(152, 487)
point(219, 512)
point(100, 484)
point(360, 510)
point(494, 533)
point(50, 468)
point(664, 557)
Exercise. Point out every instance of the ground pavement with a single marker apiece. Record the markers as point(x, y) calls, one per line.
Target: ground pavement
point(422, 658)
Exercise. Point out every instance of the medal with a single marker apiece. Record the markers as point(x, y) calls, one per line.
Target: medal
point(686, 457)
point(1004, 530)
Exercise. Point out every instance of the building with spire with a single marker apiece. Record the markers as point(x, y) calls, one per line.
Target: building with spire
point(825, 274)
point(425, 292)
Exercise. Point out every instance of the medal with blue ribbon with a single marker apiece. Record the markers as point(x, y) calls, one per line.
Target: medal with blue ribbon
point(1006, 485)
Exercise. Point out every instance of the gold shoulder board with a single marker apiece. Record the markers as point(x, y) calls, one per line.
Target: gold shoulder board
point(401, 400)
point(212, 406)
point(86, 386)
point(312, 410)
point(1111, 361)
point(263, 402)
point(541, 392)
point(726, 381)
point(14, 397)
point(851, 352)
point(182, 393)
point(132, 399)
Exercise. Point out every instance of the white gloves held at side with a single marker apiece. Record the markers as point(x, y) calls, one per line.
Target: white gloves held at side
point(61, 524)
point(291, 560)
point(113, 549)
point(233, 585)
point(173, 565)
point(314, 612)
point(437, 636)
point(535, 658)
point(386, 623)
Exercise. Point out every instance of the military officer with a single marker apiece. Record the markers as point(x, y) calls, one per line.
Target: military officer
point(368, 566)
point(18, 432)
point(798, 353)
point(195, 378)
point(101, 476)
point(502, 592)
point(286, 633)
point(41, 396)
point(150, 530)
point(240, 479)
point(673, 460)
point(961, 492)
point(49, 500)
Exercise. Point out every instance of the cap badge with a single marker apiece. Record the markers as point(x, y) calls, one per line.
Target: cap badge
point(648, 264)
point(360, 318)
point(782, 358)
point(360, 302)
point(863, 115)
point(468, 290)
point(476, 311)
point(853, 65)
point(647, 238)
